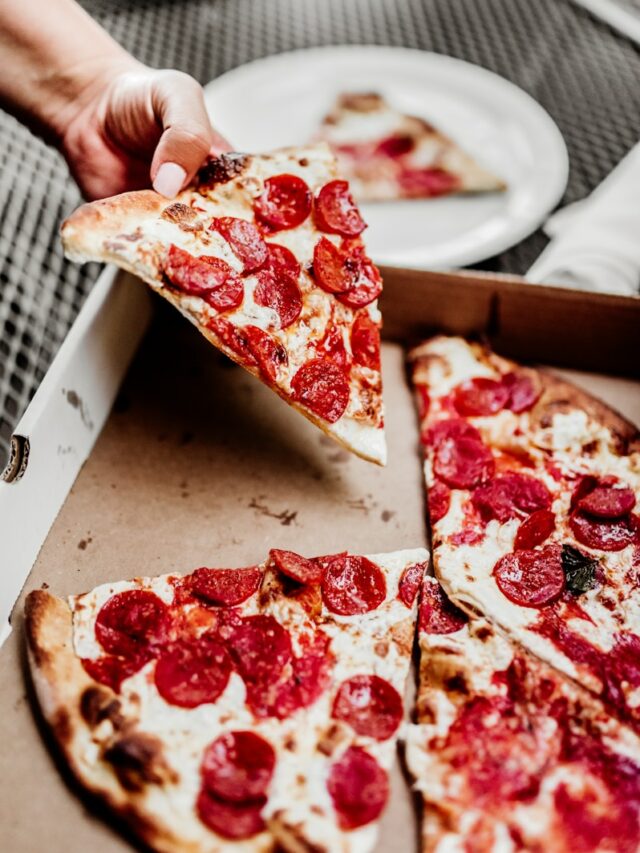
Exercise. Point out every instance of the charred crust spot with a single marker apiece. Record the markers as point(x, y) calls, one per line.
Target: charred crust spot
point(98, 704)
point(61, 726)
point(457, 684)
point(484, 633)
point(331, 739)
point(137, 759)
point(183, 216)
point(290, 743)
point(222, 169)
point(303, 161)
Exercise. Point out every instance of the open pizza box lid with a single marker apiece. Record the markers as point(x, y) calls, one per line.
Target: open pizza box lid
point(198, 464)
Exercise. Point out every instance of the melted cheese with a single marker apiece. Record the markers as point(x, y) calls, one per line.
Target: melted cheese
point(298, 789)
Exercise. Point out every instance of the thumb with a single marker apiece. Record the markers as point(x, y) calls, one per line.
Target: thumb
point(187, 135)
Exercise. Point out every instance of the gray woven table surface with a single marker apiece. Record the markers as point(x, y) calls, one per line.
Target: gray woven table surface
point(583, 73)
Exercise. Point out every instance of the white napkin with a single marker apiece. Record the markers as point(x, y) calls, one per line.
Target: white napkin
point(596, 242)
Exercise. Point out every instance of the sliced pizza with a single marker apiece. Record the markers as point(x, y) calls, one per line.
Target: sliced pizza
point(388, 155)
point(532, 490)
point(508, 754)
point(234, 709)
point(264, 255)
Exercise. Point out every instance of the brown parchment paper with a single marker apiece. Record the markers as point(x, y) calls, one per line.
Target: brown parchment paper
point(201, 465)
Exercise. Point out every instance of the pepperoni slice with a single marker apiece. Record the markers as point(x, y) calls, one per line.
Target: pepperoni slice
point(430, 182)
point(238, 766)
point(439, 500)
point(212, 279)
point(510, 495)
point(608, 501)
point(586, 484)
point(297, 568)
point(351, 584)
point(329, 267)
point(308, 679)
point(225, 587)
point(463, 462)
point(112, 671)
point(245, 240)
point(323, 388)
point(336, 212)
point(452, 428)
point(347, 272)
point(436, 614)
point(269, 353)
point(277, 286)
point(395, 146)
point(230, 820)
point(233, 337)
point(409, 583)
point(285, 202)
point(480, 396)
point(535, 530)
point(129, 622)
point(604, 534)
point(260, 648)
point(332, 347)
point(522, 391)
point(365, 342)
point(370, 705)
point(531, 578)
point(192, 672)
point(359, 788)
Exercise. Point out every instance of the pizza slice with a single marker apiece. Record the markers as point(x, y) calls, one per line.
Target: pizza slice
point(264, 255)
point(387, 155)
point(509, 755)
point(532, 491)
point(234, 709)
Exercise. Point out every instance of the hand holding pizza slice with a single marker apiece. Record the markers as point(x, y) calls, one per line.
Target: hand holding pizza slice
point(264, 256)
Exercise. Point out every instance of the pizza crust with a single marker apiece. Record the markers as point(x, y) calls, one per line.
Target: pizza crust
point(63, 688)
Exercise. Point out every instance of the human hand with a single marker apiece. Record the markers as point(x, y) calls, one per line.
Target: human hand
point(133, 126)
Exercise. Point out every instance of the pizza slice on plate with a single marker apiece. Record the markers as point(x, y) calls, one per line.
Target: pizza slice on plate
point(234, 709)
point(533, 487)
point(264, 256)
point(387, 155)
point(509, 755)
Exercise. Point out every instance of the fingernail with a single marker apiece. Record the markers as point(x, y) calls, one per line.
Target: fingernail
point(169, 179)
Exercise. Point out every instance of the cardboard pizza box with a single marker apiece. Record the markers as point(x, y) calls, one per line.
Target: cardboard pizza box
point(196, 463)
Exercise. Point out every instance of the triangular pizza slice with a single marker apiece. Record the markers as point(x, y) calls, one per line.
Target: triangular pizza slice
point(235, 709)
point(509, 755)
point(533, 490)
point(264, 255)
point(388, 155)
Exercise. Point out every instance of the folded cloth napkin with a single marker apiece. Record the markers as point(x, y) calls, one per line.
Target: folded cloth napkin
point(596, 242)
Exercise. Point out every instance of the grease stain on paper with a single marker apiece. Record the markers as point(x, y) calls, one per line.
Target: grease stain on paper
point(76, 402)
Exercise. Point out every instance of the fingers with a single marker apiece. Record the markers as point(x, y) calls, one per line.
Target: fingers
point(187, 136)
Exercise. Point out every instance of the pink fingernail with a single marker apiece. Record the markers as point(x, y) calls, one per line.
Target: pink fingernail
point(169, 179)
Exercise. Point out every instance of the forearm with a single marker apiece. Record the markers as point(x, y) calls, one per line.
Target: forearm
point(52, 53)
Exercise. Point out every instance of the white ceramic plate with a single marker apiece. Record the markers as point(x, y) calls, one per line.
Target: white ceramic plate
point(280, 100)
